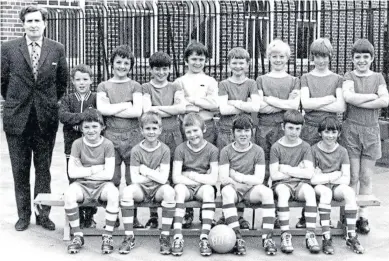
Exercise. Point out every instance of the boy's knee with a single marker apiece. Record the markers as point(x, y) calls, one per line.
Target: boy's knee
point(365, 180)
point(169, 193)
point(228, 194)
point(266, 193)
point(208, 193)
point(70, 197)
point(128, 192)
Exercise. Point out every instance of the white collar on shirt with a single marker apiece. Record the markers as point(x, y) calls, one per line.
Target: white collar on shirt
point(39, 42)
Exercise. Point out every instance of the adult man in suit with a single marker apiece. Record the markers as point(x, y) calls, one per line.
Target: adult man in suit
point(34, 75)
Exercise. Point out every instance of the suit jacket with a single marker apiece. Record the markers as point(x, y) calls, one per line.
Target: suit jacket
point(22, 92)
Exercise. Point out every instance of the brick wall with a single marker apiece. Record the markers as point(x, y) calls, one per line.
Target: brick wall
point(10, 24)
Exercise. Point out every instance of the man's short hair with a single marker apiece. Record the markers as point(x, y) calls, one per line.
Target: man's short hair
point(293, 117)
point(31, 9)
point(195, 47)
point(83, 68)
point(123, 51)
point(150, 117)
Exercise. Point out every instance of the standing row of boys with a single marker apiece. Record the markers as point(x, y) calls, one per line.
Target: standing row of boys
point(155, 155)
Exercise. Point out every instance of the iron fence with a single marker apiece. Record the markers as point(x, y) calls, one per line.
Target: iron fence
point(90, 35)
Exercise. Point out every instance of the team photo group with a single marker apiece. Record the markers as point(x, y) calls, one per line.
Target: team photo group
point(268, 141)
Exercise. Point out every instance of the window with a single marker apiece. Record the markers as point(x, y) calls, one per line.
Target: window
point(137, 26)
point(257, 27)
point(203, 25)
point(306, 27)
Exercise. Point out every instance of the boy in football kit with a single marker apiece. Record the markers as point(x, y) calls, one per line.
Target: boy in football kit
point(92, 164)
point(70, 114)
point(331, 180)
point(120, 101)
point(195, 173)
point(321, 95)
point(166, 99)
point(200, 91)
point(237, 94)
point(365, 93)
point(150, 165)
point(291, 169)
point(279, 92)
point(242, 171)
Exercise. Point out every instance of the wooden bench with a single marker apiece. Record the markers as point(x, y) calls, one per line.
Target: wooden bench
point(56, 200)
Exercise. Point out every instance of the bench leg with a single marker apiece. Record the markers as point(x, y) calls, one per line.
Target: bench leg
point(253, 221)
point(342, 219)
point(66, 229)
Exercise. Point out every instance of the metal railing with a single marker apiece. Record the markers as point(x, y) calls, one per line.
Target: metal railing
point(90, 35)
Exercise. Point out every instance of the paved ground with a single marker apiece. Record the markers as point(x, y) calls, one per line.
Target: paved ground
point(39, 243)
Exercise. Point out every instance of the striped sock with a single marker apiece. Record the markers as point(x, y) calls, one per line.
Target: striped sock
point(283, 215)
point(168, 209)
point(351, 218)
point(178, 217)
point(325, 216)
point(208, 211)
point(269, 215)
point(110, 219)
point(128, 216)
point(310, 217)
point(231, 215)
point(74, 219)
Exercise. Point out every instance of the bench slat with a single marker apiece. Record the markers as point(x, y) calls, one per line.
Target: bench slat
point(57, 200)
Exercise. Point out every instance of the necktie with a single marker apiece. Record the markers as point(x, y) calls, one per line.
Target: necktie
point(34, 59)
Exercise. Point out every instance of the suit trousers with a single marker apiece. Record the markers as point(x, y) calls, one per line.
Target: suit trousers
point(37, 144)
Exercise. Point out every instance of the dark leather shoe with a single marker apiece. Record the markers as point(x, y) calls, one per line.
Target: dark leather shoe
point(45, 222)
point(22, 224)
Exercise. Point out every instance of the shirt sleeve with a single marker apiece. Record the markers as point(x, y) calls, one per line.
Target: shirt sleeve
point(381, 79)
point(101, 87)
point(304, 81)
point(212, 89)
point(274, 154)
point(253, 87)
point(109, 150)
point(296, 83)
point(137, 87)
point(76, 149)
point(214, 155)
point(345, 158)
point(259, 83)
point(308, 153)
point(222, 89)
point(260, 157)
point(179, 154)
point(135, 157)
point(165, 155)
point(340, 81)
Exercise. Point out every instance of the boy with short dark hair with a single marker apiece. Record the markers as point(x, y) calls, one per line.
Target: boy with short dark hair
point(70, 114)
point(120, 101)
point(166, 99)
point(331, 180)
point(92, 164)
point(291, 169)
point(242, 172)
point(195, 172)
point(365, 93)
point(150, 165)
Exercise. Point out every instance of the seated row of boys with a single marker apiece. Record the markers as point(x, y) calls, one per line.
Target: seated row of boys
point(122, 100)
point(294, 169)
